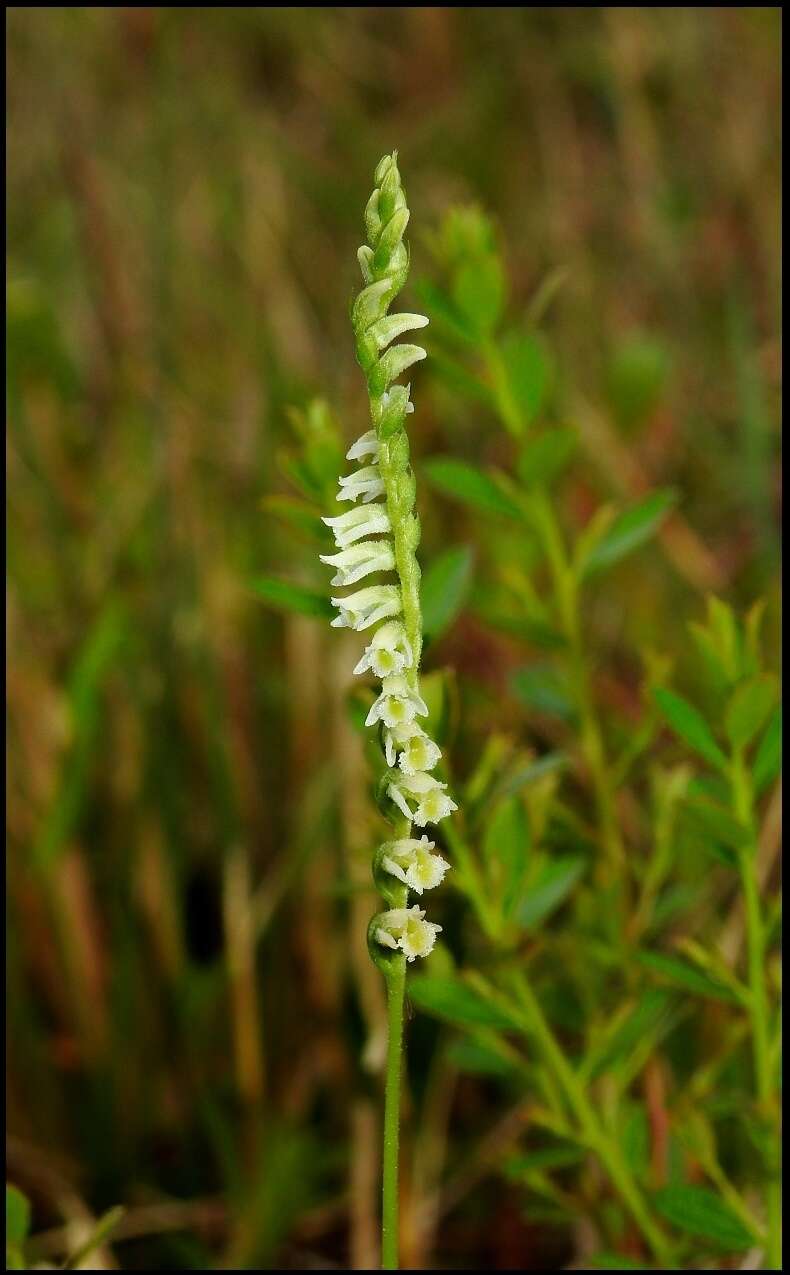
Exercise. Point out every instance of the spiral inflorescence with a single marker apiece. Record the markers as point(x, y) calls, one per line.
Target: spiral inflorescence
point(380, 535)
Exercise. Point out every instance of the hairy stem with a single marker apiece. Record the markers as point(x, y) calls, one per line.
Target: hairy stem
point(396, 988)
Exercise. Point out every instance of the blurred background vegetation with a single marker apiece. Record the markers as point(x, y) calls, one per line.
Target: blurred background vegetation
point(193, 1025)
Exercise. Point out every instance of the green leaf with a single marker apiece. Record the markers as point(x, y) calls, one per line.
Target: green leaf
point(528, 371)
point(542, 688)
point(98, 653)
point(506, 844)
point(297, 515)
point(294, 598)
point(525, 775)
point(629, 530)
point(479, 293)
point(680, 974)
point(635, 1136)
point(644, 1018)
point(768, 758)
point(635, 379)
point(444, 589)
point(103, 1228)
point(702, 1213)
point(454, 1000)
point(716, 823)
point(474, 487)
point(17, 1216)
point(478, 1058)
point(444, 313)
point(557, 1157)
point(545, 456)
point(687, 722)
point(556, 878)
point(749, 709)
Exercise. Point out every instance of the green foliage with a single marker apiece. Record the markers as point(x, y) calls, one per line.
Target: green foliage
point(17, 1226)
point(628, 531)
point(704, 1215)
point(293, 598)
point(445, 587)
point(481, 491)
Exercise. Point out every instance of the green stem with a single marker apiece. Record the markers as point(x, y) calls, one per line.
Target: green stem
point(409, 576)
point(743, 801)
point(611, 868)
point(396, 988)
point(579, 1103)
point(405, 559)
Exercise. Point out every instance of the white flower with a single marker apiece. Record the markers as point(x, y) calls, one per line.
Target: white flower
point(412, 863)
point(367, 606)
point(360, 560)
point(397, 704)
point(367, 445)
point(407, 929)
point(355, 524)
point(419, 753)
point(417, 749)
point(384, 402)
point(365, 482)
point(433, 802)
point(388, 654)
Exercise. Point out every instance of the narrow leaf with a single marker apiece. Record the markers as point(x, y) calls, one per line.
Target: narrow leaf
point(444, 589)
point(17, 1215)
point(749, 709)
point(683, 975)
point(295, 598)
point(768, 759)
point(687, 722)
point(556, 879)
point(474, 487)
point(544, 457)
point(454, 1000)
point(700, 1212)
point(630, 530)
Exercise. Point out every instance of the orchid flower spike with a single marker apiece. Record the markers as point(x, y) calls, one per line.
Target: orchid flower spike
point(376, 541)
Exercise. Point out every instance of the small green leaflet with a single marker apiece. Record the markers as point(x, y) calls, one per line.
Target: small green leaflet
point(541, 688)
point(644, 1018)
point(478, 1058)
point(17, 1215)
point(749, 709)
point(454, 1000)
point(687, 722)
point(474, 487)
point(444, 589)
point(768, 758)
point(528, 370)
point(629, 530)
point(284, 596)
point(479, 293)
point(683, 975)
point(555, 880)
point(445, 314)
point(544, 457)
point(506, 844)
point(700, 1212)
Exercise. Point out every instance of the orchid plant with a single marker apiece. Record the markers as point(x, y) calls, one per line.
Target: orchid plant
point(378, 537)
